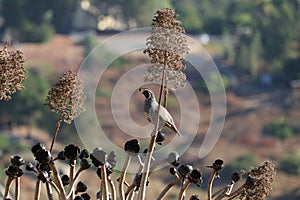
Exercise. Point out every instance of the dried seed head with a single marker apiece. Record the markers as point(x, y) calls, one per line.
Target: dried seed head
point(12, 72)
point(66, 97)
point(167, 47)
point(261, 182)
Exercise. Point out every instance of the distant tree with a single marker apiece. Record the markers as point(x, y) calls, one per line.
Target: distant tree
point(290, 163)
point(28, 20)
point(279, 128)
point(28, 105)
point(188, 14)
point(63, 14)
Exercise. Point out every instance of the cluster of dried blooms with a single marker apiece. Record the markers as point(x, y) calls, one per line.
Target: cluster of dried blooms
point(259, 183)
point(12, 72)
point(167, 46)
point(66, 97)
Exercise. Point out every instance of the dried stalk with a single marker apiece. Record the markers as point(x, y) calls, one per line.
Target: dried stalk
point(122, 177)
point(146, 168)
point(112, 188)
point(104, 184)
point(58, 123)
point(49, 191)
point(17, 188)
point(183, 189)
point(7, 186)
point(71, 176)
point(210, 183)
point(37, 190)
point(57, 181)
point(167, 188)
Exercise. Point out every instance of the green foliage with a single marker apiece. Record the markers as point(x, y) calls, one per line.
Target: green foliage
point(244, 162)
point(89, 42)
point(4, 143)
point(31, 22)
point(290, 163)
point(30, 32)
point(279, 128)
point(188, 14)
point(27, 106)
point(212, 82)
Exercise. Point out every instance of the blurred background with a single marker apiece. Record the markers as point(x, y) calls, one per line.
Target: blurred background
point(255, 44)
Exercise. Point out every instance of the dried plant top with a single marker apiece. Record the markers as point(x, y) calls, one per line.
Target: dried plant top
point(167, 47)
point(66, 97)
point(260, 181)
point(12, 72)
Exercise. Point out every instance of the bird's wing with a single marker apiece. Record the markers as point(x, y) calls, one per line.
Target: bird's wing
point(167, 118)
point(147, 115)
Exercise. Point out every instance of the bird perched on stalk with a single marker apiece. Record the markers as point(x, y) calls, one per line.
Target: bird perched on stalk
point(151, 108)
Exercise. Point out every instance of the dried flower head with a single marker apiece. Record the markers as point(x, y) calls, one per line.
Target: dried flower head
point(12, 72)
point(166, 47)
point(66, 97)
point(259, 183)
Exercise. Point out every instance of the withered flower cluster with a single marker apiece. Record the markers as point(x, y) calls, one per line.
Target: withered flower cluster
point(260, 182)
point(66, 97)
point(167, 46)
point(12, 72)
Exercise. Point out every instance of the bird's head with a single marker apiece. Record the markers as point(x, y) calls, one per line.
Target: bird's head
point(147, 93)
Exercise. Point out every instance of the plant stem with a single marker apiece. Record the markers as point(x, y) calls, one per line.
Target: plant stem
point(129, 190)
point(71, 176)
point(37, 190)
point(122, 177)
point(183, 189)
point(167, 188)
point(55, 187)
point(49, 191)
point(104, 184)
point(112, 187)
point(72, 182)
point(219, 192)
point(146, 168)
point(17, 188)
point(55, 133)
point(237, 191)
point(210, 182)
point(7, 186)
point(165, 95)
point(57, 181)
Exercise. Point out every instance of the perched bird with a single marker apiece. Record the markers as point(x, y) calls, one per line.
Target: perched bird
point(151, 108)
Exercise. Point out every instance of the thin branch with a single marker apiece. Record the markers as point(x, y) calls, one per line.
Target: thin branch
point(122, 177)
point(129, 190)
point(37, 190)
point(167, 188)
point(146, 168)
point(71, 176)
point(236, 192)
point(17, 188)
point(112, 188)
point(165, 95)
point(49, 191)
point(210, 183)
point(57, 181)
point(104, 184)
point(58, 123)
point(55, 187)
point(7, 186)
point(183, 189)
